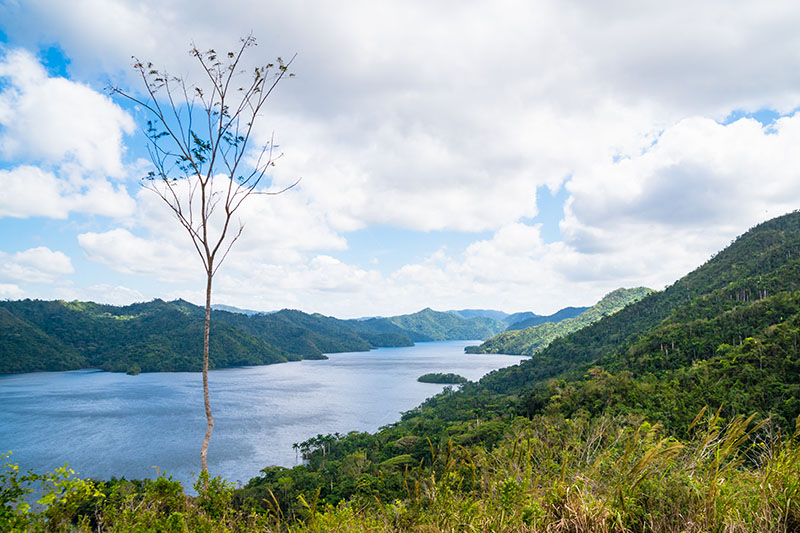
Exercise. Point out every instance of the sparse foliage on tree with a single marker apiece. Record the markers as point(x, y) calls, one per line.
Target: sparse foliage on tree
point(201, 137)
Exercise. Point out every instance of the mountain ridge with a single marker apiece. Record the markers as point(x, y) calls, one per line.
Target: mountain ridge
point(41, 335)
point(718, 351)
point(530, 340)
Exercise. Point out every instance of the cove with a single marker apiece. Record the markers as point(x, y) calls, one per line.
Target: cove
point(111, 424)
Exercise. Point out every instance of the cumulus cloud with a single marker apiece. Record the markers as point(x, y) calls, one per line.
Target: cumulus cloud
point(688, 195)
point(437, 117)
point(54, 119)
point(447, 117)
point(9, 291)
point(35, 265)
point(129, 254)
point(27, 191)
point(275, 230)
point(61, 140)
point(30, 191)
point(113, 294)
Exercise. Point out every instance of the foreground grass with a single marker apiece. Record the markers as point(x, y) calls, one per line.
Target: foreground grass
point(546, 474)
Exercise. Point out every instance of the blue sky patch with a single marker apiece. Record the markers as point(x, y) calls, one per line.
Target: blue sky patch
point(551, 211)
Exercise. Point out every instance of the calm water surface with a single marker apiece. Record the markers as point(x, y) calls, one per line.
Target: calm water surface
point(108, 424)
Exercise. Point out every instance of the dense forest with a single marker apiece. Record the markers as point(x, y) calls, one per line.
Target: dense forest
point(439, 377)
point(677, 413)
point(159, 336)
point(536, 337)
point(535, 320)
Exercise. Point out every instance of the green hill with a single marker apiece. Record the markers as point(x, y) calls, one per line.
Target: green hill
point(619, 413)
point(535, 320)
point(533, 339)
point(144, 337)
point(166, 336)
point(500, 316)
point(675, 413)
point(25, 348)
point(430, 325)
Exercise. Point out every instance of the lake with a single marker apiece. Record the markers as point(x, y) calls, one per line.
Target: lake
point(109, 424)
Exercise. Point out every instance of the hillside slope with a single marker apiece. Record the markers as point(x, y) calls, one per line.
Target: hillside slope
point(535, 320)
point(763, 262)
point(639, 387)
point(430, 325)
point(165, 336)
point(531, 340)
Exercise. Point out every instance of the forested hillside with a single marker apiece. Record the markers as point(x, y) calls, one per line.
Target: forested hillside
point(145, 337)
point(615, 420)
point(521, 320)
point(676, 413)
point(533, 339)
point(535, 320)
point(430, 325)
point(157, 336)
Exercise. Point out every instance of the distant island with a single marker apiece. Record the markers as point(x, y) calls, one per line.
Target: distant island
point(438, 377)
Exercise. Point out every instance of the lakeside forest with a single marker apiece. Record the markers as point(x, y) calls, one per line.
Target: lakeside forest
point(677, 412)
point(159, 336)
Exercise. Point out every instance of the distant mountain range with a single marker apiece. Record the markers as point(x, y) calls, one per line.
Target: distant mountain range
point(534, 320)
point(500, 316)
point(232, 309)
point(521, 339)
point(37, 335)
point(681, 408)
point(520, 320)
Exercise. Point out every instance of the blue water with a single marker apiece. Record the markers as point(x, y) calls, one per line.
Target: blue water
point(108, 424)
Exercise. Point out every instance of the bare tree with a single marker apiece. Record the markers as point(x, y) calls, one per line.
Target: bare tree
point(204, 167)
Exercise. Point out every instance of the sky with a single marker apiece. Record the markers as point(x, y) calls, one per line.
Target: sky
point(512, 155)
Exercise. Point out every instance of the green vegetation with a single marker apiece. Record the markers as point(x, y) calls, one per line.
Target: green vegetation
point(521, 320)
point(542, 474)
point(536, 338)
point(430, 325)
point(679, 412)
point(160, 336)
point(438, 377)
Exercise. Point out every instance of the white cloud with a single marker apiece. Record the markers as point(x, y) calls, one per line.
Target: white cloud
point(10, 291)
point(113, 294)
point(441, 116)
point(449, 116)
point(55, 120)
point(687, 196)
point(277, 230)
point(35, 265)
point(61, 141)
point(129, 254)
point(28, 191)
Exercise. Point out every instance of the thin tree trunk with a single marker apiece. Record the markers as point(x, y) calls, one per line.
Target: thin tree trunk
point(207, 403)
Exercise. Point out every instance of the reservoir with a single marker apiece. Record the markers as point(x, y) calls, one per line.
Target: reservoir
point(110, 424)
